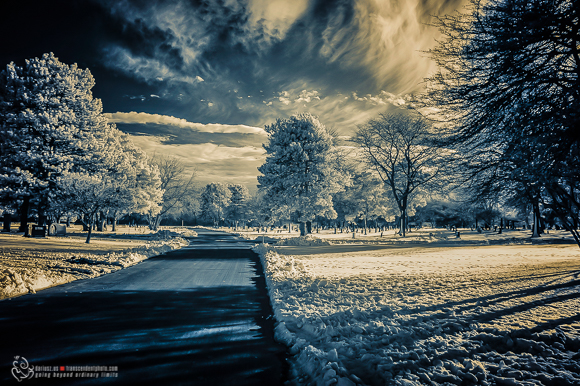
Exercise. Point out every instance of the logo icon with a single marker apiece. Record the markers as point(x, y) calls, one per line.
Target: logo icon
point(21, 369)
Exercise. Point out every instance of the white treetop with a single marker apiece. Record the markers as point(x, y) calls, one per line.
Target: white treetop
point(299, 170)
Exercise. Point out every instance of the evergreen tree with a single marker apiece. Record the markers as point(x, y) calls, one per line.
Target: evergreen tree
point(299, 171)
point(237, 208)
point(46, 107)
point(507, 93)
point(51, 128)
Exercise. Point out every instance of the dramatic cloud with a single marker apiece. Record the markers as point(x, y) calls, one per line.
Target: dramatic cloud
point(253, 61)
point(205, 76)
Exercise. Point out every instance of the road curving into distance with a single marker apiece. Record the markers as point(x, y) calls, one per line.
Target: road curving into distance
point(195, 316)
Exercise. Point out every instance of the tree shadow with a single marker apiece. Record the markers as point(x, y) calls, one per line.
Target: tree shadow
point(489, 300)
point(451, 331)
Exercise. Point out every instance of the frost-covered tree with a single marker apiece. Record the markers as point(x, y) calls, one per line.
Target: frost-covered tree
point(146, 186)
point(364, 197)
point(50, 127)
point(47, 118)
point(237, 208)
point(398, 146)
point(446, 212)
point(117, 180)
point(88, 195)
point(260, 209)
point(299, 171)
point(507, 92)
point(215, 199)
point(188, 209)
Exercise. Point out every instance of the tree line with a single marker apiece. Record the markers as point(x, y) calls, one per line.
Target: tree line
point(494, 139)
point(497, 129)
point(61, 157)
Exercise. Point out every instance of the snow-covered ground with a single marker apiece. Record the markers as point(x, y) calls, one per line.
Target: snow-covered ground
point(423, 235)
point(28, 265)
point(427, 314)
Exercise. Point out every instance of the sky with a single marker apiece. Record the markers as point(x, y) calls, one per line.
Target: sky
point(200, 79)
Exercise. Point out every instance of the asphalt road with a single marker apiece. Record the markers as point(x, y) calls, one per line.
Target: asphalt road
point(196, 316)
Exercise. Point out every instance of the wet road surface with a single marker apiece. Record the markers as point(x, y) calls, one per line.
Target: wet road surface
point(195, 316)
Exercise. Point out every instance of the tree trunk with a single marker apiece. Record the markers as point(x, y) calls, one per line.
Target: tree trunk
point(403, 223)
point(308, 227)
point(89, 224)
point(153, 223)
point(88, 241)
point(114, 224)
point(7, 222)
point(24, 208)
point(302, 227)
point(536, 226)
point(41, 217)
point(86, 221)
point(100, 221)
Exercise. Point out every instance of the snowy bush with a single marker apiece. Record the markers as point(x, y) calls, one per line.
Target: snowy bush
point(302, 241)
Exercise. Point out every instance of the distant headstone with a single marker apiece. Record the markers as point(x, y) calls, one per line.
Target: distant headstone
point(57, 229)
point(37, 230)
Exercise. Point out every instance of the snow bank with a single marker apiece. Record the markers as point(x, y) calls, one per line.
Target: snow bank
point(473, 317)
point(46, 269)
point(166, 234)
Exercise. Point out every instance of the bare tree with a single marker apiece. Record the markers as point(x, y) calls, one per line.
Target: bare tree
point(398, 146)
point(214, 202)
point(175, 183)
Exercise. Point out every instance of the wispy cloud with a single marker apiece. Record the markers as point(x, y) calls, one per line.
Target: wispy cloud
point(383, 98)
point(339, 111)
point(148, 69)
point(275, 16)
point(145, 118)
